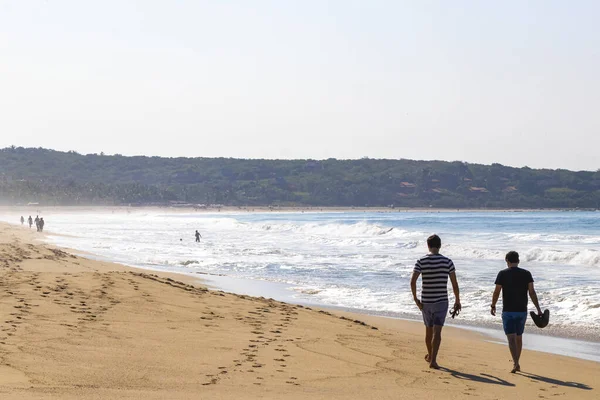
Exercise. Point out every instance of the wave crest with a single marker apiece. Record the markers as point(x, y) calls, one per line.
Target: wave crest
point(581, 257)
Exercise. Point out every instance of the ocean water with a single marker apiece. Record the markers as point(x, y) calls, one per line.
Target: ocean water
point(360, 260)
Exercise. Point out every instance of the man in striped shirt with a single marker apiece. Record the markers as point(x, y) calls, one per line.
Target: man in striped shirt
point(435, 270)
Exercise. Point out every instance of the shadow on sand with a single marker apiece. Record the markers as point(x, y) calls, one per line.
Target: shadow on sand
point(482, 378)
point(555, 381)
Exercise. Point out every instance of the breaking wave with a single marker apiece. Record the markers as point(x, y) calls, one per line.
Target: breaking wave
point(360, 229)
point(536, 254)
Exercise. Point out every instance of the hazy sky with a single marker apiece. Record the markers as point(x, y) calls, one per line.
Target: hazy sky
point(514, 82)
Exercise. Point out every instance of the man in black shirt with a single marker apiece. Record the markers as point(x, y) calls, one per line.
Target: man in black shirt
point(514, 283)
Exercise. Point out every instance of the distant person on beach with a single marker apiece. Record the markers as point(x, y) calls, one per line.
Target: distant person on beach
point(198, 236)
point(30, 221)
point(37, 222)
point(22, 220)
point(435, 270)
point(514, 283)
point(41, 223)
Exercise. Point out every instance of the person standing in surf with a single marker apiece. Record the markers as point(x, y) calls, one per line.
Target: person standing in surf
point(198, 236)
point(435, 270)
point(514, 283)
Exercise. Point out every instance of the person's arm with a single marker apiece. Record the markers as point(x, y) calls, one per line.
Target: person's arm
point(457, 306)
point(534, 298)
point(495, 297)
point(413, 288)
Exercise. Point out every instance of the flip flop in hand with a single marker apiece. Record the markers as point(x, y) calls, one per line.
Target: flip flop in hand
point(455, 311)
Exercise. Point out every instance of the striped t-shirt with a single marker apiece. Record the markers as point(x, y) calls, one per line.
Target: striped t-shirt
point(434, 269)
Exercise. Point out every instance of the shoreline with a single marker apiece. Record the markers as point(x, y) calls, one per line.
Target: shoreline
point(567, 332)
point(283, 294)
point(557, 341)
point(76, 328)
point(279, 291)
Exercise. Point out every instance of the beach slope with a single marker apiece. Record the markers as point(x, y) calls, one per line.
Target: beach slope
point(73, 328)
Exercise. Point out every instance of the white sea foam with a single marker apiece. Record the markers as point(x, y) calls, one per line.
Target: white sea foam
point(590, 257)
point(579, 257)
point(334, 229)
point(554, 238)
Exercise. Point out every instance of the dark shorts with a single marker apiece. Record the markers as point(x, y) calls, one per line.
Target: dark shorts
point(514, 322)
point(435, 314)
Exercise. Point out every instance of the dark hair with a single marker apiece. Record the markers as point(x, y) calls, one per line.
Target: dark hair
point(512, 257)
point(434, 242)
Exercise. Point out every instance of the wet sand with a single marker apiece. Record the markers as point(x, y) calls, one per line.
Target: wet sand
point(74, 328)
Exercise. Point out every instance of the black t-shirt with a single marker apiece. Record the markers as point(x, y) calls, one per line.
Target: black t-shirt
point(515, 284)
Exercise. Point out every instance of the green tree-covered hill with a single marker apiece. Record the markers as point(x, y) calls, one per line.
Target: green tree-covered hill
point(58, 178)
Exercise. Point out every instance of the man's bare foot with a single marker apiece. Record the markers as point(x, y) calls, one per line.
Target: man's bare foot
point(516, 368)
point(427, 357)
point(434, 365)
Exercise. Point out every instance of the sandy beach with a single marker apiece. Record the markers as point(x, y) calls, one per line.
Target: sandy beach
point(74, 328)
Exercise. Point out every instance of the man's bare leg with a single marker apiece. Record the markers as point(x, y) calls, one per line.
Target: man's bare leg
point(514, 351)
point(435, 346)
point(428, 340)
point(519, 350)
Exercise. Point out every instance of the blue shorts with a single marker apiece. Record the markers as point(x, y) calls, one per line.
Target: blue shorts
point(435, 313)
point(514, 322)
